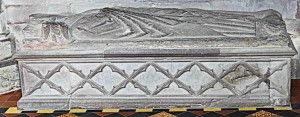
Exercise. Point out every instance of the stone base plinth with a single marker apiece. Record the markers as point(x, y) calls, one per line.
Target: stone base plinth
point(133, 103)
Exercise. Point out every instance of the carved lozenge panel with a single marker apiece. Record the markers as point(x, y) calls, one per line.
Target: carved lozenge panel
point(157, 78)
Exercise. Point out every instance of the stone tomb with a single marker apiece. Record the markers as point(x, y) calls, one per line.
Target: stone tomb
point(128, 58)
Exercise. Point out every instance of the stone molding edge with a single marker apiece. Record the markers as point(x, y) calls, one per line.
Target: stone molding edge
point(201, 52)
point(94, 103)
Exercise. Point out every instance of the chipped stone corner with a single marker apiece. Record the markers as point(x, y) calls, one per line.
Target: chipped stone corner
point(9, 79)
point(9, 76)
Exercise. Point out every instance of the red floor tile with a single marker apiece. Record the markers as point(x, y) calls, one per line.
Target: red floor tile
point(103, 114)
point(18, 93)
point(5, 97)
point(198, 112)
point(126, 113)
point(225, 112)
point(8, 104)
point(297, 111)
point(33, 114)
point(1, 104)
point(295, 100)
point(14, 98)
point(295, 90)
point(10, 99)
point(11, 115)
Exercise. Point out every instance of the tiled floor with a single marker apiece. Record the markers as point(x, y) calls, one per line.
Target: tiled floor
point(10, 100)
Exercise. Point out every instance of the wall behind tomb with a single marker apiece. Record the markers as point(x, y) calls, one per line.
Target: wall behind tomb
point(15, 15)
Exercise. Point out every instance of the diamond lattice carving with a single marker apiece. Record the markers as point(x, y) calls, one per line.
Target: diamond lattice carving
point(107, 78)
point(151, 78)
point(171, 78)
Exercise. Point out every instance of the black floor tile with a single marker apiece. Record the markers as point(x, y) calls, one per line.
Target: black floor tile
point(81, 114)
point(115, 115)
point(93, 111)
point(237, 114)
point(154, 112)
point(46, 115)
point(187, 114)
point(270, 110)
point(139, 115)
point(58, 113)
point(3, 110)
point(249, 112)
point(211, 114)
point(128, 110)
point(22, 115)
point(160, 110)
point(288, 114)
point(29, 111)
point(296, 106)
point(230, 109)
point(61, 111)
point(90, 115)
point(176, 113)
point(195, 109)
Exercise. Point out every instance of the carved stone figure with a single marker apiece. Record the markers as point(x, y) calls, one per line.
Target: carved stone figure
point(147, 25)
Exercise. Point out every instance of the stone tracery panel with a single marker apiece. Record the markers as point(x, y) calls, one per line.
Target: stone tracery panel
point(224, 78)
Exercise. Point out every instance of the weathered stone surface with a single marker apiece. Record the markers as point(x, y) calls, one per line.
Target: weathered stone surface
point(141, 28)
point(17, 11)
point(287, 8)
point(196, 83)
point(16, 15)
point(5, 48)
point(9, 78)
point(127, 57)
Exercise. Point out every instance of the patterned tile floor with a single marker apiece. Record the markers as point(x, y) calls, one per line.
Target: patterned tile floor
point(9, 101)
